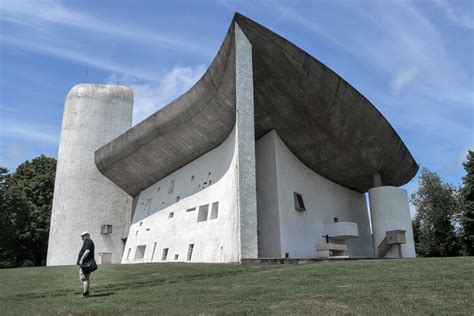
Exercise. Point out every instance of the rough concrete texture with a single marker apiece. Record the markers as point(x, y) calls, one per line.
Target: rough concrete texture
point(83, 198)
point(325, 122)
point(247, 203)
point(389, 210)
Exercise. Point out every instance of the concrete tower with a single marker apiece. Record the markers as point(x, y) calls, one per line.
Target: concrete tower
point(85, 200)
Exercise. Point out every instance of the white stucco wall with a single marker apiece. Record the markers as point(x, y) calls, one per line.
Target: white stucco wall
point(83, 198)
point(215, 240)
point(323, 199)
point(389, 210)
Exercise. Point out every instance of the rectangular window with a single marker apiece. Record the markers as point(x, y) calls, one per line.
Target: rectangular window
point(190, 252)
point(202, 215)
point(153, 253)
point(176, 257)
point(171, 189)
point(171, 215)
point(140, 252)
point(299, 204)
point(192, 178)
point(214, 210)
point(190, 209)
point(165, 254)
point(128, 253)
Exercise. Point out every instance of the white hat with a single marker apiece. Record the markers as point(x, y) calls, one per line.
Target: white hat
point(85, 233)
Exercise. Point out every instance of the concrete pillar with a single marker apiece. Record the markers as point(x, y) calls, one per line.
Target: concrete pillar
point(247, 195)
point(389, 210)
point(84, 199)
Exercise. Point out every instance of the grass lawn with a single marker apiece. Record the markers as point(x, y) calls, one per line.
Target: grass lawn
point(420, 286)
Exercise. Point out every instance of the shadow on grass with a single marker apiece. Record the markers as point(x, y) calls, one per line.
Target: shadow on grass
point(101, 294)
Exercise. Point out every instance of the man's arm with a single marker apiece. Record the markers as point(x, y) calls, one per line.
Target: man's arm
point(86, 253)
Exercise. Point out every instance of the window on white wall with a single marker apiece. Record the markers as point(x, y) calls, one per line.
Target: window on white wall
point(171, 215)
point(190, 252)
point(165, 254)
point(140, 252)
point(128, 253)
point(202, 214)
point(153, 253)
point(299, 203)
point(171, 189)
point(190, 209)
point(214, 210)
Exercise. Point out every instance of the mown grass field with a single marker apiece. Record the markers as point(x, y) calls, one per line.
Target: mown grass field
point(420, 286)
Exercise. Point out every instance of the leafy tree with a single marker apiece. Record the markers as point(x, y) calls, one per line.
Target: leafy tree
point(467, 217)
point(26, 198)
point(437, 206)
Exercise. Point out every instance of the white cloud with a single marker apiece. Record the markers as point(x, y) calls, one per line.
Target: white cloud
point(461, 19)
point(38, 14)
point(149, 96)
point(402, 78)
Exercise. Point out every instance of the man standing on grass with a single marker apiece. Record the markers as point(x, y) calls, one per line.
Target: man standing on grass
point(86, 254)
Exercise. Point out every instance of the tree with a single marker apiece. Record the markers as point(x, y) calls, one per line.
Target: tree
point(26, 198)
point(467, 217)
point(437, 206)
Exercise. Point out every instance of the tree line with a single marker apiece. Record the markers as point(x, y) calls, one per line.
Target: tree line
point(443, 225)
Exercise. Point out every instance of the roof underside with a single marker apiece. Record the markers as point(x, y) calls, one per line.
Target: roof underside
point(324, 121)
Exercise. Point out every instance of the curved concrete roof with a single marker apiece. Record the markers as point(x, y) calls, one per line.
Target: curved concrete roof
point(324, 121)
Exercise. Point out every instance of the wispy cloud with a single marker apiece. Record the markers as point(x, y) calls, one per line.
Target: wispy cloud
point(402, 78)
point(36, 13)
point(462, 19)
point(149, 97)
point(20, 130)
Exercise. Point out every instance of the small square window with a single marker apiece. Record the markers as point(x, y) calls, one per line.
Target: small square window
point(176, 257)
point(140, 252)
point(177, 198)
point(299, 204)
point(171, 215)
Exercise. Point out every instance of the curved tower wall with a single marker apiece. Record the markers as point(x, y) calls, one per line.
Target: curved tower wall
point(84, 199)
point(389, 210)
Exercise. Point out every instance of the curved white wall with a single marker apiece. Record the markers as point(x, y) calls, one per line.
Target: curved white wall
point(282, 229)
point(83, 198)
point(389, 210)
point(211, 178)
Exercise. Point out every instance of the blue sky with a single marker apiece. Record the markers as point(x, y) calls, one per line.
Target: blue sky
point(413, 59)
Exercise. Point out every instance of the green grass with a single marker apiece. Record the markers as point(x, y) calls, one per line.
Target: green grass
point(421, 286)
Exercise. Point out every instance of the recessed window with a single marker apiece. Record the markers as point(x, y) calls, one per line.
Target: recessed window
point(140, 252)
point(159, 188)
point(177, 198)
point(209, 173)
point(190, 252)
point(210, 182)
point(148, 229)
point(190, 209)
point(128, 253)
point(202, 215)
point(140, 224)
point(299, 204)
point(214, 210)
point(287, 254)
point(153, 253)
point(165, 254)
point(176, 257)
point(171, 188)
point(336, 220)
point(192, 178)
point(171, 215)
point(136, 233)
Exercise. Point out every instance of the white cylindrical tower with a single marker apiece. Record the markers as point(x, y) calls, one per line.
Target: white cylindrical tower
point(389, 210)
point(84, 199)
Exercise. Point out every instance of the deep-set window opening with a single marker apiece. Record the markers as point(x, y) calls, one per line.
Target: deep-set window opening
point(299, 203)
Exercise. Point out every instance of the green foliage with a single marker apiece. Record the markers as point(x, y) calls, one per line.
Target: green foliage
point(438, 206)
point(467, 216)
point(26, 198)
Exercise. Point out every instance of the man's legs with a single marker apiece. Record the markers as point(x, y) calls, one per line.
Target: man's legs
point(85, 279)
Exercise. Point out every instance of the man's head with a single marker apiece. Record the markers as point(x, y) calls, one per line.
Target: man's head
point(85, 235)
